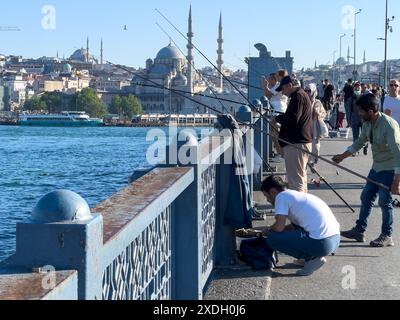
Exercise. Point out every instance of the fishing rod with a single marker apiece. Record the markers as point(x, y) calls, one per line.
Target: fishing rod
point(234, 81)
point(192, 64)
point(313, 170)
point(204, 56)
point(195, 94)
point(262, 115)
point(187, 97)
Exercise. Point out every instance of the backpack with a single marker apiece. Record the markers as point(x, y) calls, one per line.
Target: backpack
point(256, 253)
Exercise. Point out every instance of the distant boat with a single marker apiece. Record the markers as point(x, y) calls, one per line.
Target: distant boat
point(64, 119)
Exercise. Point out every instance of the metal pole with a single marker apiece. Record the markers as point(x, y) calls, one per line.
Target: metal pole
point(355, 44)
point(340, 66)
point(385, 71)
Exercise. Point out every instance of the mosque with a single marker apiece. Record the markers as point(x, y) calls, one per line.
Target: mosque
point(172, 70)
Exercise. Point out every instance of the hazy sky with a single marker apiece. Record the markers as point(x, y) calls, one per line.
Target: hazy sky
point(309, 28)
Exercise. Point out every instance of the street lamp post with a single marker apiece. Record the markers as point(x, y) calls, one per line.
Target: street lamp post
point(355, 43)
point(387, 28)
point(340, 65)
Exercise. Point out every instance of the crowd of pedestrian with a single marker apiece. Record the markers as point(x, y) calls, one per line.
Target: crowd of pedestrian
point(373, 115)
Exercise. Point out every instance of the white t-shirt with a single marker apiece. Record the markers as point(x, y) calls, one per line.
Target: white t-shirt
point(308, 212)
point(279, 102)
point(394, 105)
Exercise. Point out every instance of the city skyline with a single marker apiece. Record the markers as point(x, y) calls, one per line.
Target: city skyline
point(130, 34)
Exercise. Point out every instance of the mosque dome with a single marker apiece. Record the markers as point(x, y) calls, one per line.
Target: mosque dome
point(170, 53)
point(80, 55)
point(180, 80)
point(67, 68)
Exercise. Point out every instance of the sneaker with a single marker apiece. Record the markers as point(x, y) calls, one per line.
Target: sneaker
point(354, 234)
point(311, 266)
point(382, 241)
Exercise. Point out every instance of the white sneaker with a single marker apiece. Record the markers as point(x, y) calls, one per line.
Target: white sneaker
point(311, 266)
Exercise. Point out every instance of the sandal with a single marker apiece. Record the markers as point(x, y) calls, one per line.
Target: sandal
point(248, 233)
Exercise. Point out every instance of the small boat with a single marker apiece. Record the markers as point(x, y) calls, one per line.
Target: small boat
point(64, 119)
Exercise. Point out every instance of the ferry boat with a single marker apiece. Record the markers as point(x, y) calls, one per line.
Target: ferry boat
point(64, 119)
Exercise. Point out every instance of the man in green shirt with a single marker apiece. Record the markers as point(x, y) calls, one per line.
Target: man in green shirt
point(384, 135)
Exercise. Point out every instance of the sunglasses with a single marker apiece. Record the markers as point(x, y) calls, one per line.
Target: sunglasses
point(394, 85)
point(307, 90)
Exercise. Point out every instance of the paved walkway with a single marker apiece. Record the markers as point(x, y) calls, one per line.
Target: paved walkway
point(374, 273)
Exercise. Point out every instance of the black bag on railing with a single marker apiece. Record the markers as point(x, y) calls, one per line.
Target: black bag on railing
point(256, 253)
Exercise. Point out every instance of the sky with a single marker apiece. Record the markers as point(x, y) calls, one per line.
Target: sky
point(311, 29)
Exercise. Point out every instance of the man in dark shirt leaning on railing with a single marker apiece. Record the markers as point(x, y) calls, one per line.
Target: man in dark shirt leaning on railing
point(297, 128)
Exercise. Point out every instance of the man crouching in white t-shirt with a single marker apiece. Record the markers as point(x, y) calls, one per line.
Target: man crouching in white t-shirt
point(314, 232)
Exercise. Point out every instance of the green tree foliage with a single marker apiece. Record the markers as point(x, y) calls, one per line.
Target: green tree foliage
point(88, 101)
point(116, 106)
point(52, 101)
point(35, 104)
point(126, 106)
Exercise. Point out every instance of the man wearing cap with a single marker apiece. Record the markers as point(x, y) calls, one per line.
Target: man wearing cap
point(297, 131)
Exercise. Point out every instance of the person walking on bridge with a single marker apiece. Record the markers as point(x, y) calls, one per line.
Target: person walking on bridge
point(384, 135)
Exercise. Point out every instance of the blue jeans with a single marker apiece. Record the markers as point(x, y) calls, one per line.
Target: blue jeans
point(299, 245)
point(356, 131)
point(368, 198)
point(347, 105)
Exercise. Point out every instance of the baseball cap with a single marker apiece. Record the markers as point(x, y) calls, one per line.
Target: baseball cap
point(285, 80)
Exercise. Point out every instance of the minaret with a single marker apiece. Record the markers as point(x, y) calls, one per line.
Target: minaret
point(365, 58)
point(101, 52)
point(190, 48)
point(315, 65)
point(87, 49)
point(220, 61)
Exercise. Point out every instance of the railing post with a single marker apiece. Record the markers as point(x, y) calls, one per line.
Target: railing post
point(63, 235)
point(225, 235)
point(248, 141)
point(186, 226)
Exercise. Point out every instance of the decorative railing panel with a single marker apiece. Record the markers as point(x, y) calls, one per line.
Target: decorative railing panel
point(143, 270)
point(208, 218)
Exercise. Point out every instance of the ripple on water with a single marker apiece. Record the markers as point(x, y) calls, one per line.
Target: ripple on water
point(94, 162)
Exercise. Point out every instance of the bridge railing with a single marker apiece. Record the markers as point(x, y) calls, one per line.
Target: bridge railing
point(158, 239)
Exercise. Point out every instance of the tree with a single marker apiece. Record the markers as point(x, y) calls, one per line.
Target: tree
point(53, 102)
point(116, 106)
point(35, 104)
point(131, 106)
point(88, 101)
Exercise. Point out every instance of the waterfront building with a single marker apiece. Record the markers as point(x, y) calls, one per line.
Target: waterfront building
point(2, 104)
point(15, 88)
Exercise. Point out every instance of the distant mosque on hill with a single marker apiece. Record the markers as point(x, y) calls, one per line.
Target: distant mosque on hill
point(171, 69)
